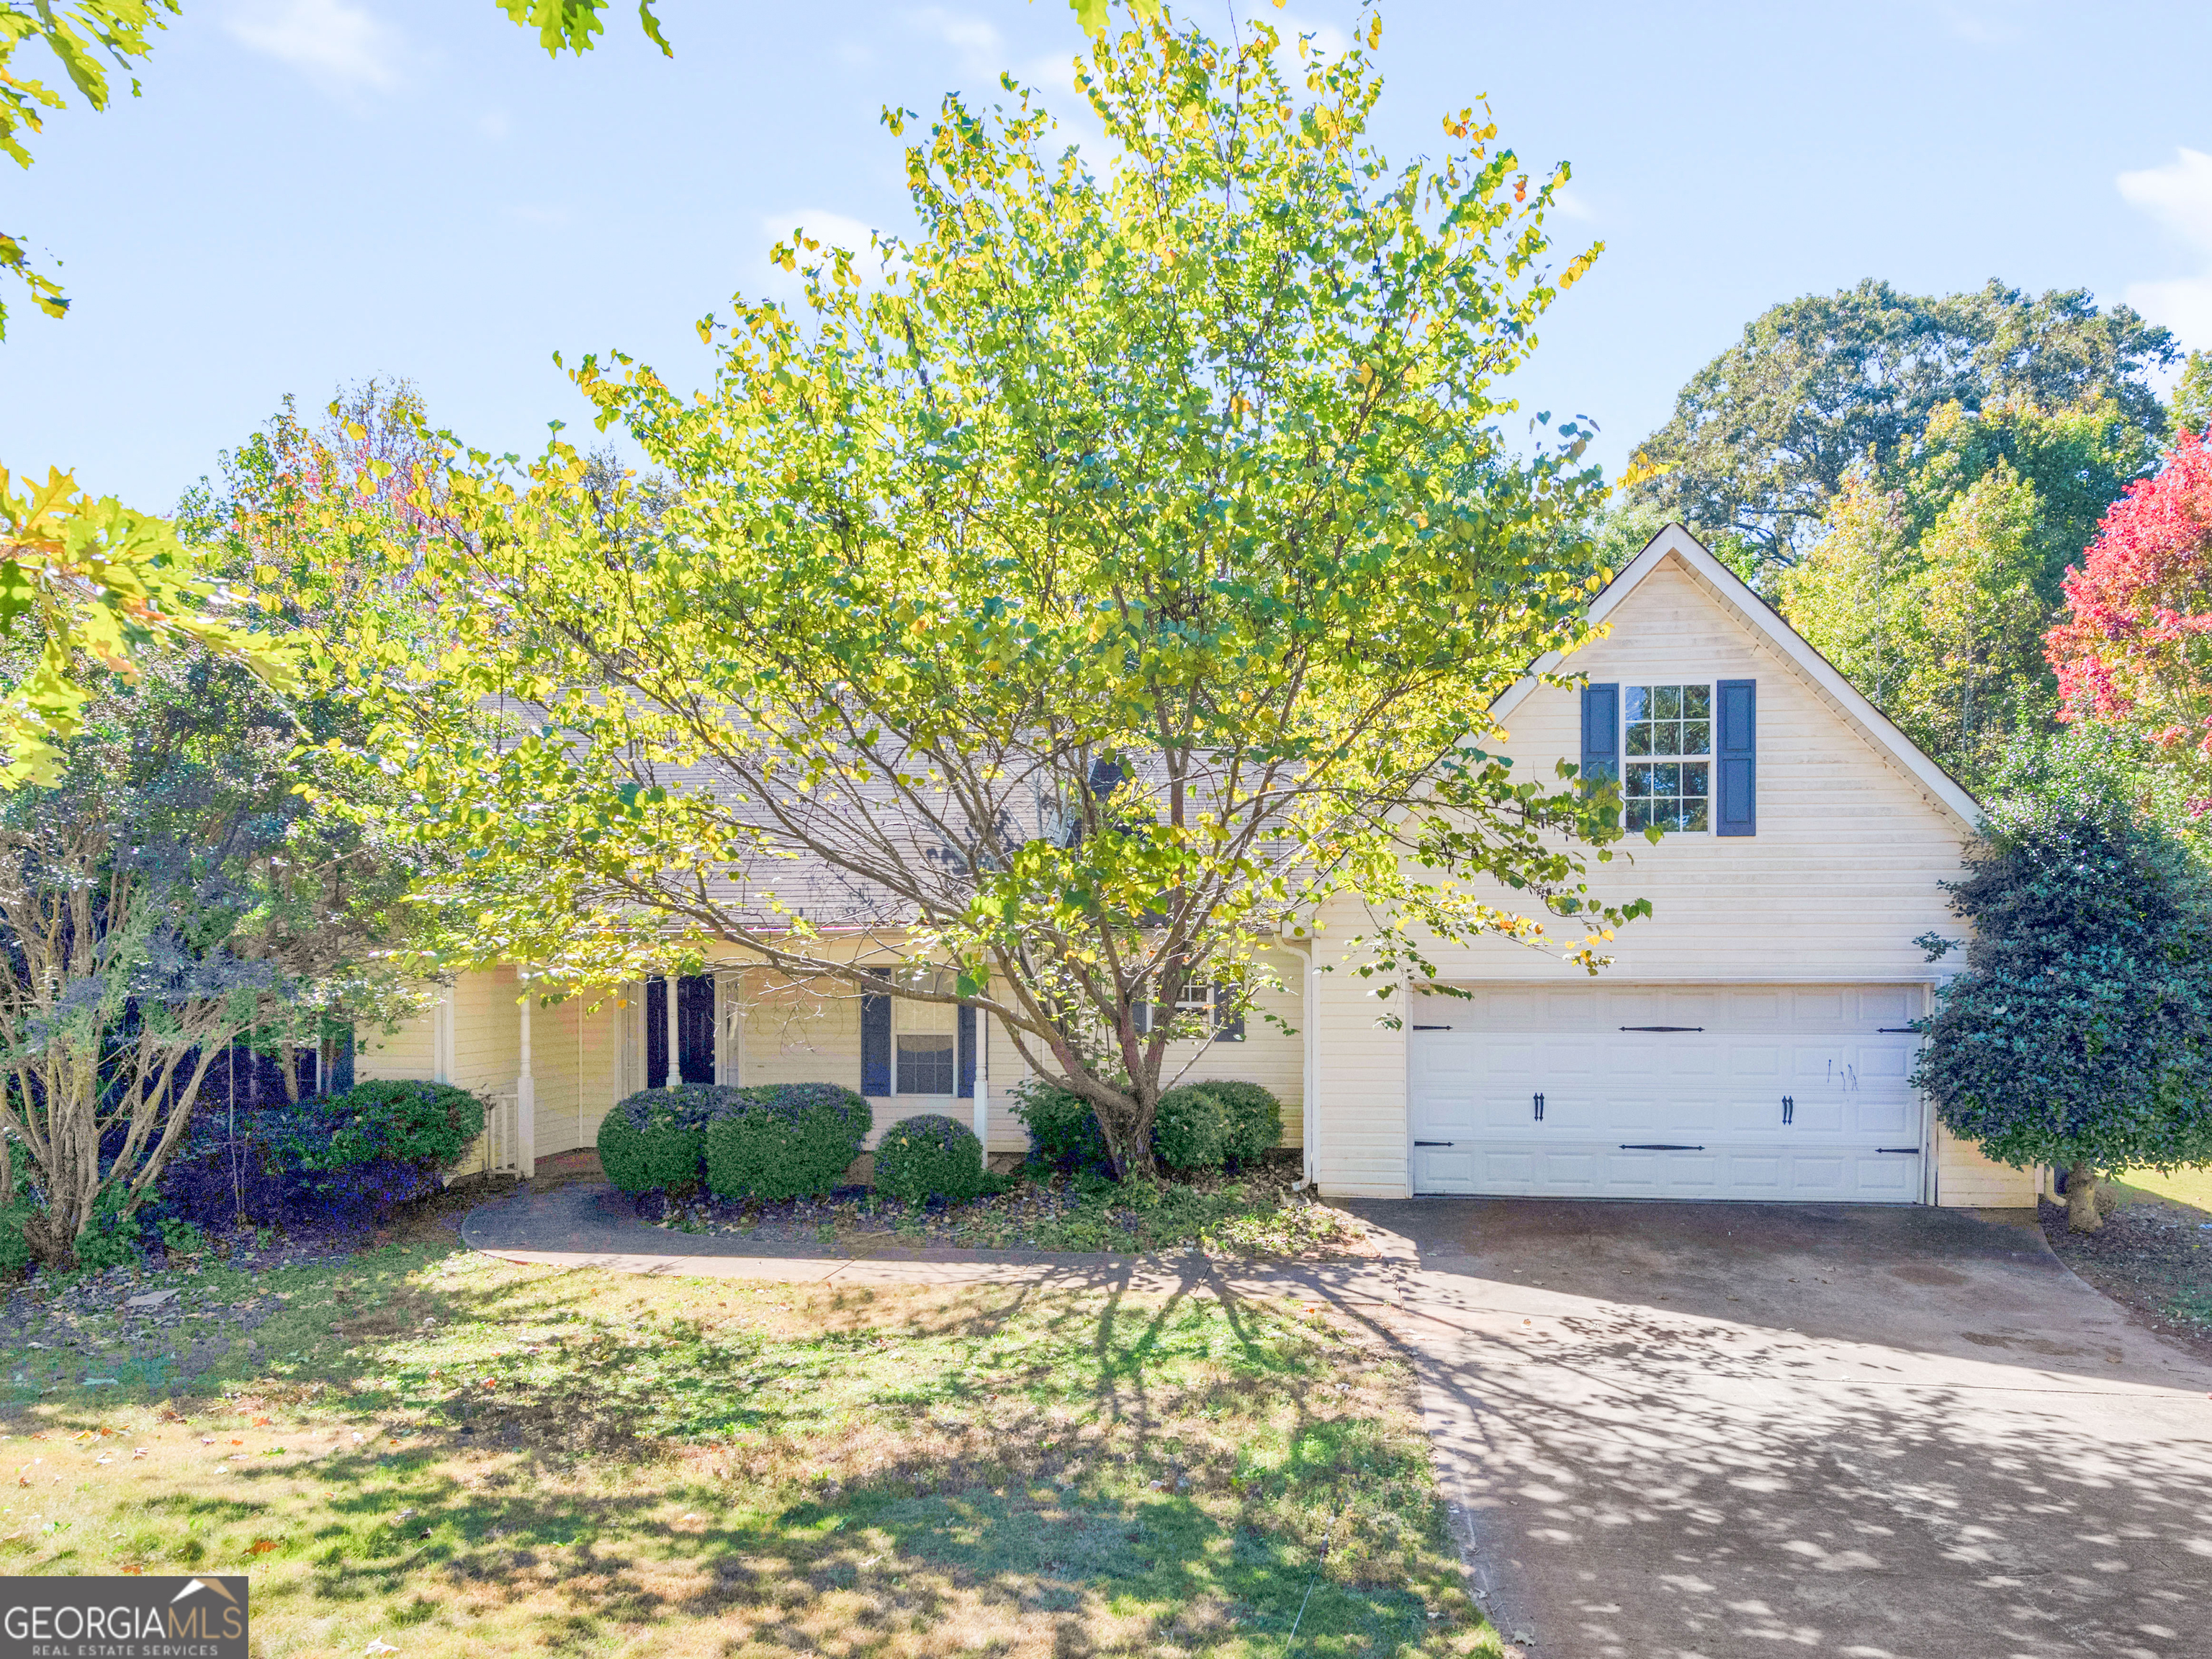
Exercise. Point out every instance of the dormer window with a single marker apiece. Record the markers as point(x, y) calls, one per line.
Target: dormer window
point(1666, 778)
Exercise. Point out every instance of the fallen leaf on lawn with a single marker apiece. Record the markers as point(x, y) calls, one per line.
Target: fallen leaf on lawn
point(381, 1647)
point(261, 1546)
point(260, 1422)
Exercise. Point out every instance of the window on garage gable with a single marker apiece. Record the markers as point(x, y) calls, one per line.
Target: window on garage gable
point(1667, 779)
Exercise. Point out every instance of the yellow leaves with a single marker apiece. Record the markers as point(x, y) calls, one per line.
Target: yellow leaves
point(94, 577)
point(1641, 470)
point(1578, 267)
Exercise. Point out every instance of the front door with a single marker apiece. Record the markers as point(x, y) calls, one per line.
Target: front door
point(695, 1030)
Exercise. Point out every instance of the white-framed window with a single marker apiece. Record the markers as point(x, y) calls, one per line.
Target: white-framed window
point(1667, 748)
point(1210, 1008)
point(924, 1047)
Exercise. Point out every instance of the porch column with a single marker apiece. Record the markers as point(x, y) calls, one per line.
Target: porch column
point(983, 1082)
point(526, 1092)
point(668, 1003)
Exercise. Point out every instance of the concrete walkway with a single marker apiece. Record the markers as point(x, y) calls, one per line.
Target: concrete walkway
point(1697, 1432)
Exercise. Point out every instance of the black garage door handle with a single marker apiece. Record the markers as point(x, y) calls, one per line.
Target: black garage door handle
point(1657, 1147)
point(1436, 1143)
point(1915, 1150)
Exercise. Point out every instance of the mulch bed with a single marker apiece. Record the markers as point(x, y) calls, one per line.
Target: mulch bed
point(2153, 1257)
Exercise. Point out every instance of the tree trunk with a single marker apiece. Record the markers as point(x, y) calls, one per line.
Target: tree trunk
point(48, 1242)
point(2083, 1215)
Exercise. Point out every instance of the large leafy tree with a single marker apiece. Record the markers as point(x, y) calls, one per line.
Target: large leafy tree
point(1763, 437)
point(2133, 651)
point(170, 892)
point(1083, 593)
point(2080, 1034)
point(1932, 581)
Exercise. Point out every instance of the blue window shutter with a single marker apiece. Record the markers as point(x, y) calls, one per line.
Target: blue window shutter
point(1600, 734)
point(876, 1041)
point(656, 1034)
point(964, 1086)
point(1227, 1028)
point(1736, 808)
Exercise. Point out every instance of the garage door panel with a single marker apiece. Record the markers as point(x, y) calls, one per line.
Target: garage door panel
point(1715, 1089)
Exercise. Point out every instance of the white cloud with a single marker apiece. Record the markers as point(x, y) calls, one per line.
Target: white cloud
point(340, 47)
point(830, 229)
point(981, 47)
point(1569, 203)
point(2178, 196)
point(1989, 24)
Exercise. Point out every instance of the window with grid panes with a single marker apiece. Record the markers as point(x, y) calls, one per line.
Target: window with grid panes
point(1668, 745)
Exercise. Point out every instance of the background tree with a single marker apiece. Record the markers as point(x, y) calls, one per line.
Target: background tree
point(2080, 1034)
point(2191, 415)
point(1763, 437)
point(2134, 652)
point(170, 892)
point(1081, 604)
point(1932, 582)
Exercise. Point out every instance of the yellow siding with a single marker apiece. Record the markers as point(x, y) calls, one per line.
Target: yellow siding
point(1844, 872)
point(575, 1045)
point(1359, 1131)
point(1966, 1179)
point(409, 1052)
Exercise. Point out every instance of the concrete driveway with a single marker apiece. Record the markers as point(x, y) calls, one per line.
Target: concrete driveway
point(1719, 1430)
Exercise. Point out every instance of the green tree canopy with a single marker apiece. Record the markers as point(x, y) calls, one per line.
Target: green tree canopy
point(171, 890)
point(2080, 1034)
point(1081, 594)
point(1931, 584)
point(1763, 437)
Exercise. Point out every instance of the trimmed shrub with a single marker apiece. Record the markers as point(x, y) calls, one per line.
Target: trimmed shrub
point(1251, 1119)
point(341, 1156)
point(656, 1138)
point(1064, 1134)
point(785, 1140)
point(1190, 1129)
point(928, 1157)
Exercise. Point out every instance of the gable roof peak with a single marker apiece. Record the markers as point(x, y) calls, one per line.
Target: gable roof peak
point(1675, 542)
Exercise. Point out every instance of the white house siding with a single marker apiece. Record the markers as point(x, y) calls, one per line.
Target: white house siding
point(1842, 874)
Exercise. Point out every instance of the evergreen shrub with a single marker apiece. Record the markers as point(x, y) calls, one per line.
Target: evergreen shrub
point(928, 1157)
point(341, 1157)
point(656, 1138)
point(785, 1140)
point(1064, 1134)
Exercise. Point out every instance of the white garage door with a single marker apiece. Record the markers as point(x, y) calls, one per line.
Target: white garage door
point(1743, 1091)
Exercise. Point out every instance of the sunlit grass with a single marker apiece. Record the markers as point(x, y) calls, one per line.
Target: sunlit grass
point(459, 1456)
point(2192, 1186)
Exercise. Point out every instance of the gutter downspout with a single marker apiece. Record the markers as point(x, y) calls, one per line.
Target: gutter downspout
point(1309, 1110)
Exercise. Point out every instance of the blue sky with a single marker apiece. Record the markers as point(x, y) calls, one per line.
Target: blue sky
point(313, 191)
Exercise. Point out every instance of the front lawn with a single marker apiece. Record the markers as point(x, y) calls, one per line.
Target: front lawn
point(453, 1454)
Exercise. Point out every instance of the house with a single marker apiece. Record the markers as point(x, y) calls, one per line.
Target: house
point(1751, 1040)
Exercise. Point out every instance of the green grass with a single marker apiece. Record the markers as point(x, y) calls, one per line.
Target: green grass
point(2192, 1186)
point(459, 1456)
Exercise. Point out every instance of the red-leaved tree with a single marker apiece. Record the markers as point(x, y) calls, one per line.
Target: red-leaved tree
point(2135, 647)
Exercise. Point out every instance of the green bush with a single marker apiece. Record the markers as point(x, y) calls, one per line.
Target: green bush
point(180, 1236)
point(1251, 1119)
point(928, 1157)
point(656, 1138)
point(109, 1238)
point(1190, 1128)
point(429, 1124)
point(15, 1249)
point(1199, 1126)
point(1063, 1132)
point(784, 1141)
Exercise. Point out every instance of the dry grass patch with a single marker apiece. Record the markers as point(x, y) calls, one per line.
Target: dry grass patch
point(457, 1455)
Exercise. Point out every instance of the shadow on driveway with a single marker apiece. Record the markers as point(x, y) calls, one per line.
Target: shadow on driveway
point(1679, 1429)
